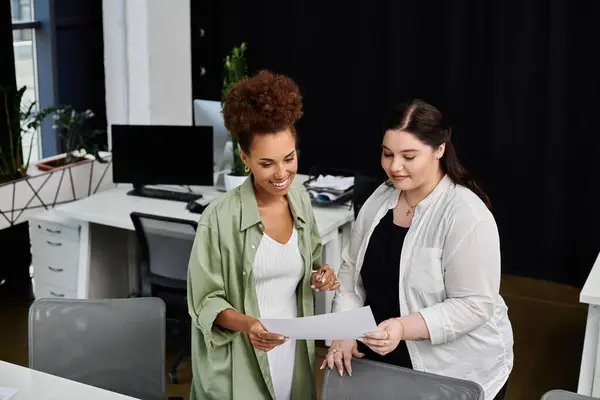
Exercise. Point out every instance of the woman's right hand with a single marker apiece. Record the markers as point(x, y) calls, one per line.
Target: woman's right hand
point(340, 353)
point(262, 339)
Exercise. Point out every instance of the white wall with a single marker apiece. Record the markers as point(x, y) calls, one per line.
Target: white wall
point(147, 61)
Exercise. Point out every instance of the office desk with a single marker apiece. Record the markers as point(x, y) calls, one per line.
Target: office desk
point(589, 374)
point(86, 249)
point(35, 385)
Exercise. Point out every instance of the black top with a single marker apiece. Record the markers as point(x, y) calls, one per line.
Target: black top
point(381, 276)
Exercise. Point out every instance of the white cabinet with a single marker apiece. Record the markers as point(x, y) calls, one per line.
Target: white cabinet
point(55, 246)
point(66, 266)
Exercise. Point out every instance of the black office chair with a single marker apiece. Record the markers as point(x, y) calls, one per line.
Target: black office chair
point(364, 186)
point(164, 250)
point(379, 381)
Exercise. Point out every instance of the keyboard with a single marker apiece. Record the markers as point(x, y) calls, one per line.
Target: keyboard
point(163, 194)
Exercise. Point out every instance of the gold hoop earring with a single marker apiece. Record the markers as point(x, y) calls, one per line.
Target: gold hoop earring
point(246, 169)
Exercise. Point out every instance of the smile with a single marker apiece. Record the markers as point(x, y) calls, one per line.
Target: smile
point(281, 184)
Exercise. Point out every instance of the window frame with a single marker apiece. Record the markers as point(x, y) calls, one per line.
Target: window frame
point(44, 48)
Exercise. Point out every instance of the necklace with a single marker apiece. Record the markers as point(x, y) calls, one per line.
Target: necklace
point(411, 209)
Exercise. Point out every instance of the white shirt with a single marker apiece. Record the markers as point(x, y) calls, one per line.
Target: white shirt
point(278, 268)
point(450, 274)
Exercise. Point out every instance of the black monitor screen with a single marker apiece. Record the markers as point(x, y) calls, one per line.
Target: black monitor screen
point(162, 155)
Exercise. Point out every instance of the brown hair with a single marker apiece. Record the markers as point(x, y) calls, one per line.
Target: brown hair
point(265, 103)
point(428, 124)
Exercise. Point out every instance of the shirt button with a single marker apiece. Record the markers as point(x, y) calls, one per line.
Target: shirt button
point(253, 246)
point(244, 273)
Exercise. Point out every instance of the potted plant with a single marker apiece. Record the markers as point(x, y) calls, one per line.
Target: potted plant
point(21, 119)
point(74, 129)
point(27, 190)
point(235, 69)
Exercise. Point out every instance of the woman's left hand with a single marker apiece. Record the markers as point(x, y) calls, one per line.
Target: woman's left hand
point(386, 338)
point(324, 279)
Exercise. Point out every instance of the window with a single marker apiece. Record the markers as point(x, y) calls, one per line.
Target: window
point(20, 10)
point(26, 67)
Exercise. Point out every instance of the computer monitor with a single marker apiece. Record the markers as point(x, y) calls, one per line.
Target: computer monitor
point(162, 155)
point(208, 113)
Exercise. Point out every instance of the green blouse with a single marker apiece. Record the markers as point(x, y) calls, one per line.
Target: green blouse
point(225, 365)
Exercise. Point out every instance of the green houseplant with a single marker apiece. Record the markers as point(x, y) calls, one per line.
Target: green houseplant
point(26, 190)
point(235, 69)
point(75, 130)
point(20, 119)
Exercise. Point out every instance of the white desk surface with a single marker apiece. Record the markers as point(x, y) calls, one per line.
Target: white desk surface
point(35, 385)
point(590, 294)
point(113, 208)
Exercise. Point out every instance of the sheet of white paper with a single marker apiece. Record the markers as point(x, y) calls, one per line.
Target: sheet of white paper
point(333, 182)
point(334, 326)
point(7, 393)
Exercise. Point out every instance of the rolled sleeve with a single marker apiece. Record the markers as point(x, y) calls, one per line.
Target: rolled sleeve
point(349, 294)
point(433, 320)
point(206, 291)
point(472, 281)
point(213, 334)
point(345, 302)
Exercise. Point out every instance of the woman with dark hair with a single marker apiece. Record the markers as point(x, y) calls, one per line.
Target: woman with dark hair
point(425, 256)
point(255, 251)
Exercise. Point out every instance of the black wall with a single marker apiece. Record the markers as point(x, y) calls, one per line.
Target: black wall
point(14, 242)
point(7, 66)
point(80, 57)
point(517, 79)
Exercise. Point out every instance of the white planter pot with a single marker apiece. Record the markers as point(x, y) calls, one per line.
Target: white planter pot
point(231, 181)
point(43, 190)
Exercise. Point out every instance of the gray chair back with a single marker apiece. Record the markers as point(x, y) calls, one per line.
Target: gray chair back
point(165, 245)
point(378, 381)
point(113, 344)
point(565, 395)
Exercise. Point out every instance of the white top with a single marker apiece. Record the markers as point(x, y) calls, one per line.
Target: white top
point(450, 274)
point(278, 268)
point(35, 385)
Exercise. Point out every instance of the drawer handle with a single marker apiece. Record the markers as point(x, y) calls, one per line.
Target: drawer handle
point(55, 269)
point(57, 231)
point(53, 243)
point(57, 294)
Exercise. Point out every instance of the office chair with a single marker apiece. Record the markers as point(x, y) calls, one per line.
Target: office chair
point(364, 186)
point(378, 381)
point(164, 247)
point(113, 344)
point(564, 395)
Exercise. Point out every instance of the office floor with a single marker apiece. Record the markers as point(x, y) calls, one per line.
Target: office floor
point(548, 323)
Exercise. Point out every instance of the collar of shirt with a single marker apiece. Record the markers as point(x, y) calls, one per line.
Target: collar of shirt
point(423, 204)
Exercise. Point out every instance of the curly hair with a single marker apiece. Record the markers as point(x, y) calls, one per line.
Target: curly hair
point(262, 104)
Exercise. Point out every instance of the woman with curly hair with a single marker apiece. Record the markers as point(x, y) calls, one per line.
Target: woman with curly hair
point(255, 251)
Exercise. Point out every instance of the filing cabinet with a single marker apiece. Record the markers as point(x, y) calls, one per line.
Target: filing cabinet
point(55, 256)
